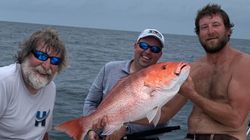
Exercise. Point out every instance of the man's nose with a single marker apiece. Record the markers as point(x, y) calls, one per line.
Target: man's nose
point(46, 64)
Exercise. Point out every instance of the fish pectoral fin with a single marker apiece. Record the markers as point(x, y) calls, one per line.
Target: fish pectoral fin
point(149, 90)
point(157, 116)
point(154, 115)
point(110, 128)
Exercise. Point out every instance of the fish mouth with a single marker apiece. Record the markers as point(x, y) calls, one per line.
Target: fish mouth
point(179, 69)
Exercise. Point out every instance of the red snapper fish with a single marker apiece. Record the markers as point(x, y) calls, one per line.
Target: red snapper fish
point(137, 96)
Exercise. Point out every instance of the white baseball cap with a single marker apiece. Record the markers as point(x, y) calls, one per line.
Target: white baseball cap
point(152, 32)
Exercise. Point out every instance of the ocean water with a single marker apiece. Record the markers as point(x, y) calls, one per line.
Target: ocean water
point(89, 50)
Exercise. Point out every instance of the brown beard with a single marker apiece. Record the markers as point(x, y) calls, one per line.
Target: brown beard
point(215, 47)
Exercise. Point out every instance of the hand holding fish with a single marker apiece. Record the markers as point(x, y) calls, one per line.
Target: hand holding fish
point(187, 88)
point(101, 123)
point(92, 135)
point(118, 134)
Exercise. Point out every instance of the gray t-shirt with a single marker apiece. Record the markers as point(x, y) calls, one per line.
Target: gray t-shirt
point(23, 116)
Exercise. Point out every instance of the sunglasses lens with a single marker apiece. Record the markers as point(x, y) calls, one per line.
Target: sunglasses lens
point(55, 60)
point(40, 55)
point(145, 46)
point(155, 49)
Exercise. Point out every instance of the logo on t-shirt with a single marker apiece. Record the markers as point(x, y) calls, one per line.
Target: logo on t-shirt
point(41, 117)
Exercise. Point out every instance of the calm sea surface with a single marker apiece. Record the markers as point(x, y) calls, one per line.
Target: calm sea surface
point(89, 50)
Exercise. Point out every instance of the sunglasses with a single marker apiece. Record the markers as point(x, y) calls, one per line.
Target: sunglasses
point(42, 56)
point(145, 46)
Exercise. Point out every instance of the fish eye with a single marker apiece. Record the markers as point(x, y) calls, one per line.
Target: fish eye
point(164, 67)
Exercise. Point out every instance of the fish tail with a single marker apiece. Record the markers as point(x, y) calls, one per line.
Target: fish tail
point(74, 128)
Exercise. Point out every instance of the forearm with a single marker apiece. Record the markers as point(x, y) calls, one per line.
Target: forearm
point(142, 121)
point(172, 107)
point(220, 111)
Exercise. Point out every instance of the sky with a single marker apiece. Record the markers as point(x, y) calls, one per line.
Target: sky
point(168, 16)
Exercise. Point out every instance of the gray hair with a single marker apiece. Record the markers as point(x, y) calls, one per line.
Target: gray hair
point(50, 38)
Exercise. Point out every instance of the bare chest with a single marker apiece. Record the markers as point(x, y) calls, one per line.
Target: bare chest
point(213, 82)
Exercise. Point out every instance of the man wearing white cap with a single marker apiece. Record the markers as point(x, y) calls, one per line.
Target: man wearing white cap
point(147, 51)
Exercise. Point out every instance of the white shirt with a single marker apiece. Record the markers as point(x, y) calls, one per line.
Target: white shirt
point(23, 116)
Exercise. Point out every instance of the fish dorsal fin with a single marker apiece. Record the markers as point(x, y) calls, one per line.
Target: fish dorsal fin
point(154, 115)
point(122, 79)
point(119, 83)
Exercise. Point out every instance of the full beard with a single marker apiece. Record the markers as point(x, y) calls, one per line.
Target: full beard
point(214, 46)
point(33, 76)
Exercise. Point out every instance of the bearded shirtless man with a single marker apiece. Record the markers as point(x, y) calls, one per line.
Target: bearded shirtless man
point(219, 83)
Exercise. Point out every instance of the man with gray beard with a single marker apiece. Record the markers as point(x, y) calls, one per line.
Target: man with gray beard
point(27, 90)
